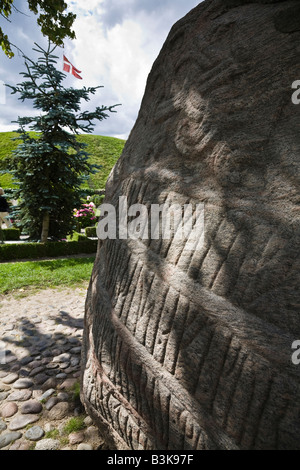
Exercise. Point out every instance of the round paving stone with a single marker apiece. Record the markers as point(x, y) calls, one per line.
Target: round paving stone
point(36, 371)
point(62, 375)
point(85, 447)
point(21, 444)
point(73, 341)
point(9, 379)
point(4, 387)
point(10, 358)
point(76, 350)
point(92, 434)
point(8, 410)
point(52, 365)
point(75, 361)
point(20, 422)
point(65, 357)
point(31, 407)
point(2, 425)
point(47, 394)
point(22, 383)
point(76, 437)
point(63, 396)
point(20, 395)
point(34, 364)
point(3, 395)
point(59, 411)
point(23, 373)
point(50, 383)
point(26, 360)
point(8, 438)
point(35, 433)
point(68, 384)
point(51, 402)
point(41, 378)
point(47, 444)
point(64, 365)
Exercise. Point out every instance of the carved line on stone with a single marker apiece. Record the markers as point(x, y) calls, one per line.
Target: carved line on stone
point(103, 379)
point(141, 355)
point(266, 338)
point(238, 262)
point(175, 351)
point(262, 409)
point(237, 372)
point(221, 265)
point(133, 282)
point(122, 275)
point(109, 433)
point(105, 402)
point(235, 402)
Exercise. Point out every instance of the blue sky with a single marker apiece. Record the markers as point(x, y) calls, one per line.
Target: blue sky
point(116, 44)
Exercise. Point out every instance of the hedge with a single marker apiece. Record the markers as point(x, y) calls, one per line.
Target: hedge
point(47, 250)
point(77, 237)
point(91, 232)
point(10, 234)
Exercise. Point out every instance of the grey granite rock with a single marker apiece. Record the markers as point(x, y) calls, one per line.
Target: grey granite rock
point(31, 407)
point(3, 425)
point(21, 421)
point(22, 383)
point(47, 444)
point(8, 438)
point(20, 395)
point(190, 347)
point(11, 378)
point(59, 411)
point(8, 410)
point(35, 433)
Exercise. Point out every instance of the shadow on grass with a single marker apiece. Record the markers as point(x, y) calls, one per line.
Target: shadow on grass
point(64, 263)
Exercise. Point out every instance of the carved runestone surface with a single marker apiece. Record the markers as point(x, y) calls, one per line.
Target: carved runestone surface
point(193, 349)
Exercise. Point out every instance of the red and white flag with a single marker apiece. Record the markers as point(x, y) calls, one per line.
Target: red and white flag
point(68, 67)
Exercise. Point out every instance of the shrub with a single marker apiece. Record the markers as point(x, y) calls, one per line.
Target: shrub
point(97, 199)
point(85, 215)
point(11, 234)
point(47, 250)
point(91, 232)
point(77, 237)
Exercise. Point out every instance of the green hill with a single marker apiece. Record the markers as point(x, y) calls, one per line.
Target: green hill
point(103, 151)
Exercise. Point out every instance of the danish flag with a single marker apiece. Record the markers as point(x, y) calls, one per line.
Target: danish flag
point(68, 67)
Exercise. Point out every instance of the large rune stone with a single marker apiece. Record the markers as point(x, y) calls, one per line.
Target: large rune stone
point(192, 349)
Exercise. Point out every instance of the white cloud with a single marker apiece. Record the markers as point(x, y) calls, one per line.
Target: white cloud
point(117, 43)
point(119, 59)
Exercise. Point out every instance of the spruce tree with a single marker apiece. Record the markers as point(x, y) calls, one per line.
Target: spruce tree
point(50, 165)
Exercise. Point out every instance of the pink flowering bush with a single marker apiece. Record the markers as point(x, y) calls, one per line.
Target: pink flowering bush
point(86, 216)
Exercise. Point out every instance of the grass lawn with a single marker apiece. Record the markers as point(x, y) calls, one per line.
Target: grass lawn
point(71, 272)
point(103, 151)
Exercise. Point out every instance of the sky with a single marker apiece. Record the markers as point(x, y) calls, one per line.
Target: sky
point(116, 43)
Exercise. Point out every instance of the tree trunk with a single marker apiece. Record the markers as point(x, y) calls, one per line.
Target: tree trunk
point(45, 227)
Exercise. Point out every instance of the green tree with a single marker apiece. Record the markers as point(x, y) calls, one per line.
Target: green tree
point(55, 23)
point(50, 164)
